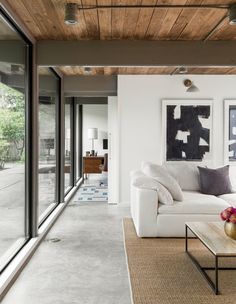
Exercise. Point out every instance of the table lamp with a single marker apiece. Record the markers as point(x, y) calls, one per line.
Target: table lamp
point(92, 134)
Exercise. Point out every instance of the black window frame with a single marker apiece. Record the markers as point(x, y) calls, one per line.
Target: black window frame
point(30, 210)
point(79, 113)
point(58, 108)
point(72, 101)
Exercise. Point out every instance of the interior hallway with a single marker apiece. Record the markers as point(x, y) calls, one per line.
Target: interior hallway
point(86, 266)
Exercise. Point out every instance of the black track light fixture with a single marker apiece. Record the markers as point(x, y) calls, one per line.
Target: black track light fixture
point(232, 14)
point(71, 13)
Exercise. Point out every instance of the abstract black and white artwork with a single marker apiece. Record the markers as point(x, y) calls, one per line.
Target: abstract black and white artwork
point(230, 130)
point(188, 127)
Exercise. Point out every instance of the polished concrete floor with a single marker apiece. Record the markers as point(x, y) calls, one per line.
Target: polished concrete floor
point(87, 265)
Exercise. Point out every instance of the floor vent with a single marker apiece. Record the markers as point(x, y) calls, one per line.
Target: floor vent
point(53, 240)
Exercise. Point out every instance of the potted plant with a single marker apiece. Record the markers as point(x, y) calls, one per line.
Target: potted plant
point(229, 216)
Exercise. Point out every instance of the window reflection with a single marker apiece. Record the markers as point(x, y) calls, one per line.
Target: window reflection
point(13, 90)
point(48, 90)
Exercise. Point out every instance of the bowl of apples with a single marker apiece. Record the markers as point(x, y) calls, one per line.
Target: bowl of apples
point(229, 216)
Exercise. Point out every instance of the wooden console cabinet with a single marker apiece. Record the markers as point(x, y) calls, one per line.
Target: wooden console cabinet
point(91, 164)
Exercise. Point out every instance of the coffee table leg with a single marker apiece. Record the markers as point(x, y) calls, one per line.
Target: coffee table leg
point(216, 275)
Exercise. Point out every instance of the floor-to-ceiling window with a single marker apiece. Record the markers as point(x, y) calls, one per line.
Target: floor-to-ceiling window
point(48, 106)
point(14, 81)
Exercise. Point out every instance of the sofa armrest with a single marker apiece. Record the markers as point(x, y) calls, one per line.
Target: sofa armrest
point(144, 205)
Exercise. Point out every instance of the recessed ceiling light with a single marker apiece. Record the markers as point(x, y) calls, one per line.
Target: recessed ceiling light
point(71, 12)
point(232, 14)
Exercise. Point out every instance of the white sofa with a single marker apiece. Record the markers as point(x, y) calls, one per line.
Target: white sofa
point(153, 219)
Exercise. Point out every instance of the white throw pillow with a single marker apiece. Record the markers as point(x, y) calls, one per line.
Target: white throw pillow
point(186, 174)
point(164, 195)
point(140, 180)
point(162, 176)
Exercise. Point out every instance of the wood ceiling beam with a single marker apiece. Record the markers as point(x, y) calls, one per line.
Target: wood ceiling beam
point(136, 53)
point(91, 100)
point(90, 86)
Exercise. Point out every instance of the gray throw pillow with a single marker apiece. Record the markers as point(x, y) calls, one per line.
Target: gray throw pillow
point(215, 181)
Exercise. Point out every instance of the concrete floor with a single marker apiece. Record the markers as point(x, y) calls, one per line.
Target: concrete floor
point(87, 265)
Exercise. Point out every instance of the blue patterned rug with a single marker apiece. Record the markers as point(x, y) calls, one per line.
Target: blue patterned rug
point(93, 193)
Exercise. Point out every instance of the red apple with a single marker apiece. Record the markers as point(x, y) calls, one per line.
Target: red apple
point(232, 218)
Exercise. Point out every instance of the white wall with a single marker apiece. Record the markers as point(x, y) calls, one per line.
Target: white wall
point(139, 99)
point(95, 116)
point(113, 152)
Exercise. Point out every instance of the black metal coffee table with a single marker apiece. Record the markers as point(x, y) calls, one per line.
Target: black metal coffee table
point(214, 239)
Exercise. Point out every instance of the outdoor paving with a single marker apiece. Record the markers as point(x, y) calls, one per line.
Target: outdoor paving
point(12, 202)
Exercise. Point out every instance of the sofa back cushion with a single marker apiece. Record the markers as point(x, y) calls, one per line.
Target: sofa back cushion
point(215, 181)
point(160, 174)
point(186, 174)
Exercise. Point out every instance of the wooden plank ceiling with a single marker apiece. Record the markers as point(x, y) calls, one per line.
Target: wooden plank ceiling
point(71, 71)
point(45, 20)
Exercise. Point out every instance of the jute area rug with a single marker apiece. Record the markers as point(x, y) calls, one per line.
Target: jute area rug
point(161, 273)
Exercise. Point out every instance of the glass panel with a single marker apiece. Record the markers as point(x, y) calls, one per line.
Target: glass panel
point(77, 143)
point(13, 88)
point(67, 166)
point(48, 98)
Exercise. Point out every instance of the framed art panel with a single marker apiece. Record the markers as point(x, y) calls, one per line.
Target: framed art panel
point(187, 130)
point(230, 130)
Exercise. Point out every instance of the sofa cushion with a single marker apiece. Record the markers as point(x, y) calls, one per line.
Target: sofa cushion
point(186, 174)
point(195, 203)
point(140, 180)
point(230, 198)
point(215, 181)
point(160, 174)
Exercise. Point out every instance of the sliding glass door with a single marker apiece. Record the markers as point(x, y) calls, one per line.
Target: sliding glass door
point(48, 111)
point(14, 62)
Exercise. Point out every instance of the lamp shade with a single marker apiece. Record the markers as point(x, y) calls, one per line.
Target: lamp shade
point(92, 133)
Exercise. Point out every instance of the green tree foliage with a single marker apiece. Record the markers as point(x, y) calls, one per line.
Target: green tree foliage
point(4, 149)
point(12, 121)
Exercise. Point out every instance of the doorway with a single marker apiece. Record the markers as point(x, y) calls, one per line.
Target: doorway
point(99, 150)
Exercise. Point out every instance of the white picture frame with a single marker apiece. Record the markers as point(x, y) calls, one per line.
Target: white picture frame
point(187, 102)
point(227, 104)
